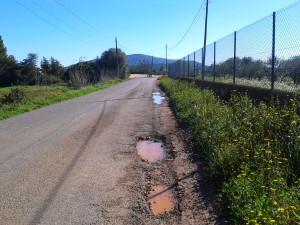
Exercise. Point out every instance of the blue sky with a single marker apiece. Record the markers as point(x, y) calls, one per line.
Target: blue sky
point(47, 28)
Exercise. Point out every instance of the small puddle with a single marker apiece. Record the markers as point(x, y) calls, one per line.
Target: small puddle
point(151, 151)
point(160, 200)
point(157, 99)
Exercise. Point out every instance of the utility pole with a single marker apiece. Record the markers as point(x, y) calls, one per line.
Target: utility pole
point(152, 66)
point(117, 57)
point(204, 45)
point(167, 59)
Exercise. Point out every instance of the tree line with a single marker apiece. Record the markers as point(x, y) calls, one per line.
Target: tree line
point(286, 70)
point(146, 67)
point(249, 68)
point(111, 65)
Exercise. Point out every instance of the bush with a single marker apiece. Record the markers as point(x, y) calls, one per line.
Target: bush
point(15, 95)
point(252, 151)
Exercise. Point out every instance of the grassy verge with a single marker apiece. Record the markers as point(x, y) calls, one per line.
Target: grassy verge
point(252, 151)
point(17, 100)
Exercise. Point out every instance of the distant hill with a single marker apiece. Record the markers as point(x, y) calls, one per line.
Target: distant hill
point(135, 59)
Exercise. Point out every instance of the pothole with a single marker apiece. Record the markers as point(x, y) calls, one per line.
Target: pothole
point(157, 99)
point(151, 151)
point(160, 200)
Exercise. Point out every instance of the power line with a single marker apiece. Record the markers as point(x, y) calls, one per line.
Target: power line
point(91, 27)
point(189, 29)
point(47, 21)
point(83, 21)
point(63, 22)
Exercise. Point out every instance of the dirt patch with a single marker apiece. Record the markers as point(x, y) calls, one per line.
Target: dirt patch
point(179, 174)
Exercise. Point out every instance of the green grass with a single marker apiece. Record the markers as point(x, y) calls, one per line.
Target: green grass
point(252, 152)
point(40, 96)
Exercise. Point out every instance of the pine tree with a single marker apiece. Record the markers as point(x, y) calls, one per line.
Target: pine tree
point(45, 66)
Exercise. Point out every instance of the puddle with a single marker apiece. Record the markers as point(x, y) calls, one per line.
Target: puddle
point(160, 200)
point(151, 151)
point(157, 99)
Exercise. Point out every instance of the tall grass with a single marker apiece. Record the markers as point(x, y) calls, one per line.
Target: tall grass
point(252, 151)
point(34, 97)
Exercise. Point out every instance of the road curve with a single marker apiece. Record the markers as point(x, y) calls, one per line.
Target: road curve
point(62, 164)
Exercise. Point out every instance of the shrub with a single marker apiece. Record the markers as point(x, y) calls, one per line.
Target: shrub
point(15, 95)
point(252, 151)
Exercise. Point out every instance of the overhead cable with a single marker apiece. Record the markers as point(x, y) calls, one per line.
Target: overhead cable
point(188, 30)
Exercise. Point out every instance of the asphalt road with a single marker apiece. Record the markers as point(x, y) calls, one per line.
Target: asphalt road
point(63, 164)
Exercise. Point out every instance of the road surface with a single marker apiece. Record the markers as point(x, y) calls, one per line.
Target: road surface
point(64, 164)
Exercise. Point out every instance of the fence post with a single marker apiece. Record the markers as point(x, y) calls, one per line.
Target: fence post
point(194, 65)
point(273, 52)
point(234, 58)
point(202, 66)
point(214, 61)
point(188, 66)
point(183, 66)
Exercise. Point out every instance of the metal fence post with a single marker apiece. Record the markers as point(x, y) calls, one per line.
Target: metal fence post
point(203, 67)
point(183, 66)
point(194, 65)
point(188, 66)
point(214, 61)
point(273, 52)
point(234, 58)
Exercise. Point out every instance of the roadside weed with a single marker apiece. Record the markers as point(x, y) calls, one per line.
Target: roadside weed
point(252, 151)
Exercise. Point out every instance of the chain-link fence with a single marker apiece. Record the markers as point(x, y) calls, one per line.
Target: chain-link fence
point(263, 54)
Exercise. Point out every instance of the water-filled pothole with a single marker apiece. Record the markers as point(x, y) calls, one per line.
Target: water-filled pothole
point(157, 99)
point(160, 200)
point(151, 151)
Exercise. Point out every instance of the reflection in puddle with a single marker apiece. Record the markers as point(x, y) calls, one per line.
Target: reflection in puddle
point(160, 200)
point(157, 99)
point(151, 151)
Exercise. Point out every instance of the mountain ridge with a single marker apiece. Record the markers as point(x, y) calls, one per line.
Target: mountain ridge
point(135, 59)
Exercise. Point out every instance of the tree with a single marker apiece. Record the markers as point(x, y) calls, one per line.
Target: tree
point(108, 62)
point(3, 57)
point(45, 66)
point(9, 72)
point(29, 69)
point(290, 68)
point(56, 69)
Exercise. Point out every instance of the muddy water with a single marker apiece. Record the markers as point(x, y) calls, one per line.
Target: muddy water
point(160, 200)
point(151, 151)
point(157, 99)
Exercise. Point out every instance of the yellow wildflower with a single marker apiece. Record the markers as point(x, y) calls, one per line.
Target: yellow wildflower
point(274, 203)
point(281, 210)
point(294, 122)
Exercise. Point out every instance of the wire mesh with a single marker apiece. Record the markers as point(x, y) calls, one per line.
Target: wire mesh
point(209, 62)
point(198, 64)
point(254, 61)
point(253, 53)
point(224, 59)
point(288, 48)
